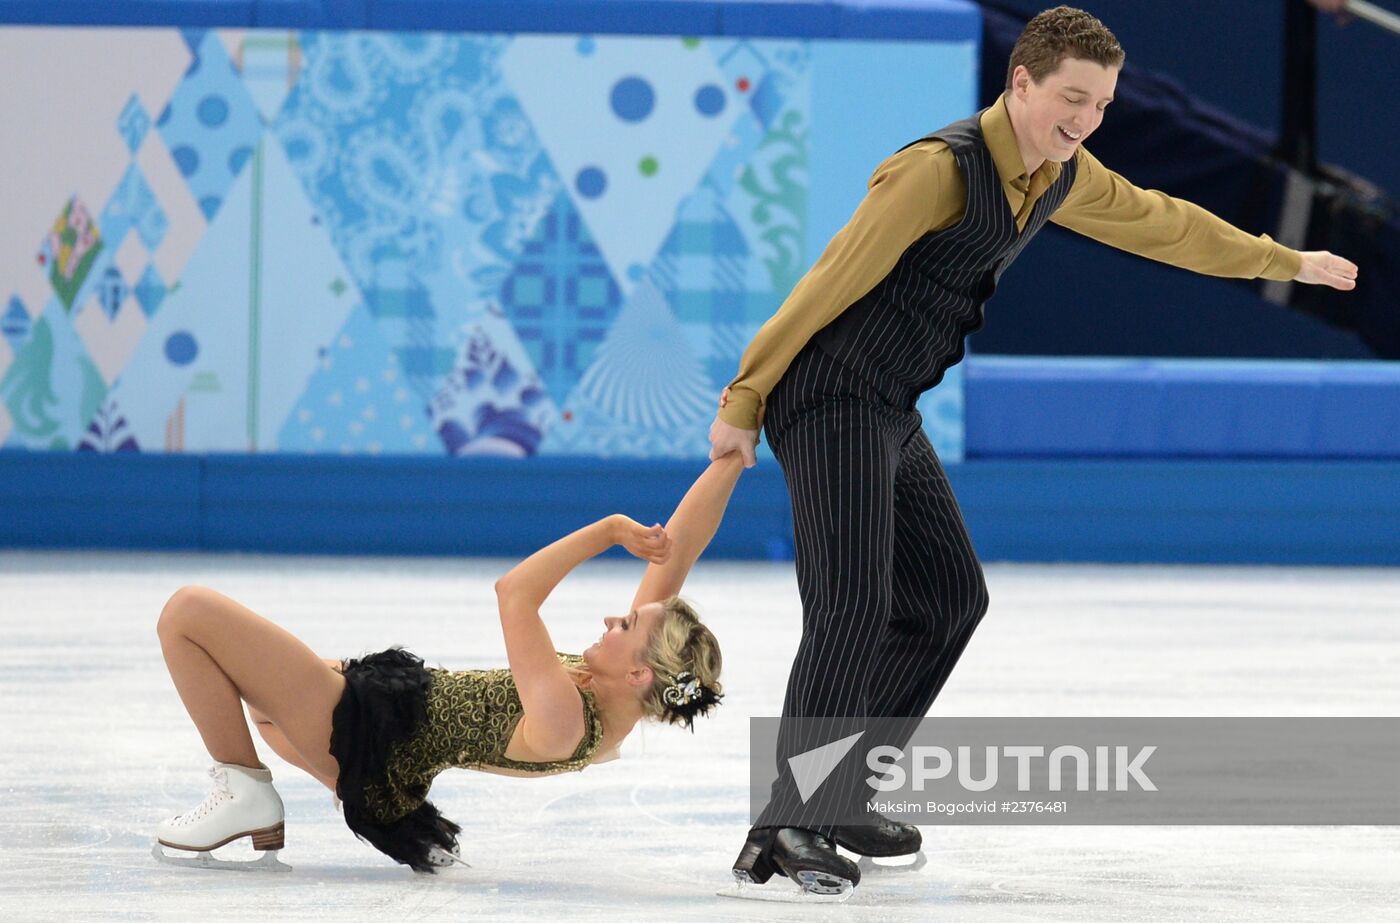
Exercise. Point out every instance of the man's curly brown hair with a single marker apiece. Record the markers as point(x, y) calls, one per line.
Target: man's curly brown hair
point(1063, 32)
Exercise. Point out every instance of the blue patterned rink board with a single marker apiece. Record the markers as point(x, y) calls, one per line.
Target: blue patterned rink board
point(442, 244)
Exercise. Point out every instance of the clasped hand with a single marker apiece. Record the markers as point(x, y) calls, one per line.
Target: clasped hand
point(650, 543)
point(726, 438)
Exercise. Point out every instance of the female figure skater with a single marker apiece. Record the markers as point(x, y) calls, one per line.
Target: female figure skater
point(377, 730)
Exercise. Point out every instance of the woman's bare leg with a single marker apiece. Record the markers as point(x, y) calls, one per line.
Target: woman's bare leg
point(280, 745)
point(219, 651)
point(283, 748)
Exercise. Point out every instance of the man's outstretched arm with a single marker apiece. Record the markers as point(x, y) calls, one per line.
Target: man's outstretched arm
point(1105, 206)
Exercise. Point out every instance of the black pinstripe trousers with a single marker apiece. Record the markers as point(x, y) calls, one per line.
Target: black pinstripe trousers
point(890, 585)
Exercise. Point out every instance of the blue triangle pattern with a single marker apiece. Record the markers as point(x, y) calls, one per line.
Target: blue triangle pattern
point(561, 298)
point(210, 124)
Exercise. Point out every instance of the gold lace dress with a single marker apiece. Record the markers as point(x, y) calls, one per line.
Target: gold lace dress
point(472, 715)
point(399, 724)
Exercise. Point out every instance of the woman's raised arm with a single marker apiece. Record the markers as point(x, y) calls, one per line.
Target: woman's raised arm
point(690, 529)
point(553, 720)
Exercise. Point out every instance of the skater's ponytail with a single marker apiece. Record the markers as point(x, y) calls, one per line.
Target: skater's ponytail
point(684, 656)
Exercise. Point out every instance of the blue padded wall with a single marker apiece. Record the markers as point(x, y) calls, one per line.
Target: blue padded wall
point(1083, 408)
point(1256, 512)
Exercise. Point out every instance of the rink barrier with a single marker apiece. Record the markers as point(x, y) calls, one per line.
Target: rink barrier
point(902, 20)
point(1043, 407)
point(1177, 511)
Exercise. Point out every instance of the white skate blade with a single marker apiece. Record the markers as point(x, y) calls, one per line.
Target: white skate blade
point(267, 862)
point(785, 891)
point(869, 866)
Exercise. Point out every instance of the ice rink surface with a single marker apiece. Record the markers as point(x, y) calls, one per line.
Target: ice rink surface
point(97, 748)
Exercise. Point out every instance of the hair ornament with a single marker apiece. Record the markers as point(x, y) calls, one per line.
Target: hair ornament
point(686, 697)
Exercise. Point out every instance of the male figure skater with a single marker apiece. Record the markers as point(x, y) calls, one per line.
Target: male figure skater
point(891, 587)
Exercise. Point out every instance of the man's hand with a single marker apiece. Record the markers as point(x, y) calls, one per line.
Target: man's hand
point(725, 438)
point(1323, 268)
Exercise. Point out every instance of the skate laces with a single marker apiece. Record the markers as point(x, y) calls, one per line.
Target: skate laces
point(216, 797)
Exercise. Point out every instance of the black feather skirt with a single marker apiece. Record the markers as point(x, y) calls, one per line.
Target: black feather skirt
point(384, 703)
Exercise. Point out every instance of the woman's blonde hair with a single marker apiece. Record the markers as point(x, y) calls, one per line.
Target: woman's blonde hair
point(684, 657)
point(1059, 33)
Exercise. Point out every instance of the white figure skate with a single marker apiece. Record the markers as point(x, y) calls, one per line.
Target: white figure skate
point(242, 803)
point(442, 858)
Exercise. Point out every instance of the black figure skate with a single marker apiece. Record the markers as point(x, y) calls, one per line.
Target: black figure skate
point(809, 859)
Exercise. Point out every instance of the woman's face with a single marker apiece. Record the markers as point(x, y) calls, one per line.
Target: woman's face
point(620, 650)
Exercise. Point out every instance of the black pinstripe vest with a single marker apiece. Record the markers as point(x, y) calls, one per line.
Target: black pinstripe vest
point(909, 329)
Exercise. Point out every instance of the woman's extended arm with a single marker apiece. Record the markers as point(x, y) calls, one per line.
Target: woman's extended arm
point(553, 720)
point(690, 529)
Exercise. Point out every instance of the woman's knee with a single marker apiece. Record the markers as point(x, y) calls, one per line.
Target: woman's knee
point(180, 608)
